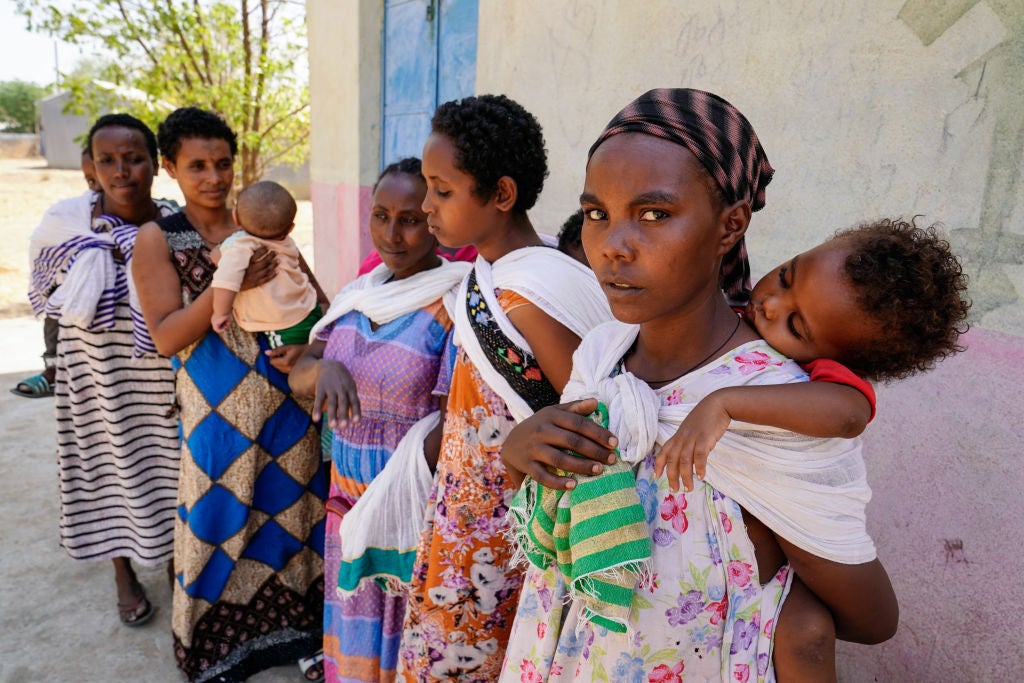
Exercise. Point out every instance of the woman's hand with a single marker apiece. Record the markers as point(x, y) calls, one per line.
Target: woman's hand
point(262, 269)
point(336, 395)
point(541, 442)
point(284, 357)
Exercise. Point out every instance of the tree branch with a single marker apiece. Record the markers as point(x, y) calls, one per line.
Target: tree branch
point(282, 119)
point(202, 26)
point(269, 159)
point(145, 48)
point(173, 19)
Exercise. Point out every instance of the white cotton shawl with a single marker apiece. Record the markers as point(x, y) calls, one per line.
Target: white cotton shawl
point(382, 301)
point(558, 284)
point(811, 491)
point(379, 535)
point(77, 299)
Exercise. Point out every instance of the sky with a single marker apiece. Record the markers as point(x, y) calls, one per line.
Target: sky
point(29, 56)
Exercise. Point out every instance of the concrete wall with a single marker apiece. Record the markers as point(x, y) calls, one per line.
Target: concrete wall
point(345, 68)
point(867, 108)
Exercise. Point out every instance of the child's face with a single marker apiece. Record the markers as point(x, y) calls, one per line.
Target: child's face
point(456, 216)
point(651, 231)
point(398, 226)
point(807, 308)
point(89, 172)
point(123, 165)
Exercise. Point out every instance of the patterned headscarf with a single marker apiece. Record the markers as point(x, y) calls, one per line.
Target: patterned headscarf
point(723, 141)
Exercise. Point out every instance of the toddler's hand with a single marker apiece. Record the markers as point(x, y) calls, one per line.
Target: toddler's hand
point(687, 451)
point(220, 322)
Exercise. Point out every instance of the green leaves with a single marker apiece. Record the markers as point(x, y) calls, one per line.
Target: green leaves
point(18, 106)
point(235, 57)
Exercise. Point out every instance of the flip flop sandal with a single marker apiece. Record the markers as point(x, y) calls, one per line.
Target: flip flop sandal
point(130, 615)
point(307, 664)
point(33, 387)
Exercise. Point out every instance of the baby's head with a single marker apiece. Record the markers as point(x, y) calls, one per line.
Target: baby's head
point(570, 240)
point(887, 299)
point(266, 210)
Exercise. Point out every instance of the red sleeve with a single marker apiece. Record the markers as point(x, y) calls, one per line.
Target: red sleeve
point(371, 261)
point(466, 253)
point(827, 370)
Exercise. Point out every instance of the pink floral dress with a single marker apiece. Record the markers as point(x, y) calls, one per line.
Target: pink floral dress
point(705, 614)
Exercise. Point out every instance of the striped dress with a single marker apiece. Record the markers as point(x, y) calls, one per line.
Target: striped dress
point(117, 438)
point(399, 368)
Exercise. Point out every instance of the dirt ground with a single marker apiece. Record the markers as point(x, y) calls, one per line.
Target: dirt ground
point(58, 620)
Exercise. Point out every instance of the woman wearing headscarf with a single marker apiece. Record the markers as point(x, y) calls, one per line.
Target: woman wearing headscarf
point(628, 579)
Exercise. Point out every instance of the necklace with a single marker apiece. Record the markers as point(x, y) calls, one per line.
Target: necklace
point(699, 363)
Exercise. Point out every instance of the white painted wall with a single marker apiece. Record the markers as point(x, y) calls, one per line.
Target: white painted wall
point(860, 118)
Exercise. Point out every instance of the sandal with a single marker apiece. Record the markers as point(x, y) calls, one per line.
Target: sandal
point(130, 614)
point(36, 386)
point(312, 667)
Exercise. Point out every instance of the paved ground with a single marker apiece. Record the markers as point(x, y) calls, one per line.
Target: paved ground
point(58, 620)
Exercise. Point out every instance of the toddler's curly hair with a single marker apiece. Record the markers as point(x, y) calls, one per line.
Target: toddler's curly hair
point(495, 136)
point(909, 281)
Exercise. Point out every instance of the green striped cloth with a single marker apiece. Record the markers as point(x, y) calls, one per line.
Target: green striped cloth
point(597, 533)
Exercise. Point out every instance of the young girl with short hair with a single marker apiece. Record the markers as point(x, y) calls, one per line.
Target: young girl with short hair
point(518, 317)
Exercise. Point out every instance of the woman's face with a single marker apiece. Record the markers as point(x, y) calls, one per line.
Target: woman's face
point(456, 216)
point(651, 230)
point(124, 169)
point(398, 225)
point(204, 169)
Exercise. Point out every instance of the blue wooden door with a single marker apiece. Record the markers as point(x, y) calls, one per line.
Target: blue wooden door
point(429, 58)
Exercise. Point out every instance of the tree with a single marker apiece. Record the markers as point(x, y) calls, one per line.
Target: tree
point(18, 106)
point(243, 59)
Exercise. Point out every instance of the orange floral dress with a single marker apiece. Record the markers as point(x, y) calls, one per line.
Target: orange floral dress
point(464, 589)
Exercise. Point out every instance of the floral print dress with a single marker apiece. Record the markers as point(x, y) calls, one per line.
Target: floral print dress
point(704, 613)
point(464, 587)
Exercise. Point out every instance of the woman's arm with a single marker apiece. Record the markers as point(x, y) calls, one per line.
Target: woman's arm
point(223, 300)
point(156, 281)
point(552, 342)
point(329, 383)
point(544, 439)
point(432, 442)
point(303, 376)
point(321, 298)
point(822, 409)
point(172, 326)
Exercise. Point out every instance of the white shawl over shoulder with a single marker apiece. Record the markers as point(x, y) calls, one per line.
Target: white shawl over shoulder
point(813, 492)
point(382, 300)
point(558, 284)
